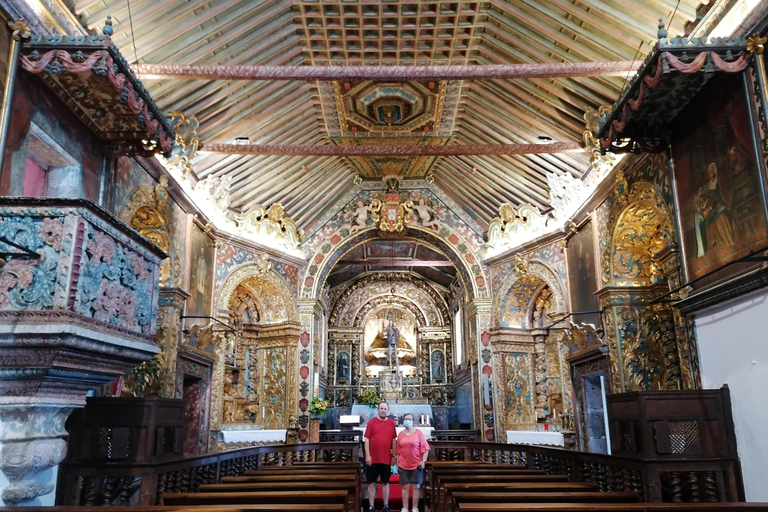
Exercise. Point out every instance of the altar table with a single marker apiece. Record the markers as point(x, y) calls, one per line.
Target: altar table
point(252, 436)
point(535, 438)
point(427, 431)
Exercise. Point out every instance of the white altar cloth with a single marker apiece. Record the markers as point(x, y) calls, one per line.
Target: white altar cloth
point(533, 437)
point(252, 436)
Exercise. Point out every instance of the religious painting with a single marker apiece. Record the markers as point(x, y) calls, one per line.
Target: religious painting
point(342, 367)
point(201, 252)
point(582, 275)
point(717, 180)
point(438, 366)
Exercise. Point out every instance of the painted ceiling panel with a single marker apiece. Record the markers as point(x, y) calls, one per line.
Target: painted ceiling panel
point(357, 32)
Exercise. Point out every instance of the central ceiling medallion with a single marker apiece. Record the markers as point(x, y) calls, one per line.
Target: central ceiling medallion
point(395, 113)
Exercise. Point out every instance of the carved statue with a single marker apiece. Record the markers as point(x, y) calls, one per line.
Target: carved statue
point(583, 336)
point(521, 266)
point(264, 265)
point(216, 190)
point(426, 214)
point(360, 216)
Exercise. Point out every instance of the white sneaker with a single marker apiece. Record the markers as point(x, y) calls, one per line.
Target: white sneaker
point(415, 509)
point(404, 509)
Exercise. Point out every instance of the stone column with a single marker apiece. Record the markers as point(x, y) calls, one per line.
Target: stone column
point(309, 313)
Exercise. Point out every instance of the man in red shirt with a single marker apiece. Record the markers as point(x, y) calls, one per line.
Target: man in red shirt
point(379, 442)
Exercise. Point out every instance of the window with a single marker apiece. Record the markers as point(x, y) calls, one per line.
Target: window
point(49, 170)
point(457, 336)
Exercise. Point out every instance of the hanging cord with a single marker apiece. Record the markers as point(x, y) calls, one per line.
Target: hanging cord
point(133, 36)
point(671, 18)
point(631, 66)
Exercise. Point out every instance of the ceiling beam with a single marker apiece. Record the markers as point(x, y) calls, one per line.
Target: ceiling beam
point(463, 72)
point(330, 150)
point(395, 263)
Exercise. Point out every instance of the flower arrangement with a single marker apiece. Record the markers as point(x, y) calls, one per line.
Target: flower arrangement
point(317, 407)
point(369, 397)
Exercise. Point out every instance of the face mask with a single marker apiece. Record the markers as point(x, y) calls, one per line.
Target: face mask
point(408, 423)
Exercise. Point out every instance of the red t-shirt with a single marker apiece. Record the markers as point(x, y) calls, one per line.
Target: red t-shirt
point(411, 449)
point(380, 435)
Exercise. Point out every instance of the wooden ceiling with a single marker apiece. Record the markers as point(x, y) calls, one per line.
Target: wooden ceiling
point(362, 32)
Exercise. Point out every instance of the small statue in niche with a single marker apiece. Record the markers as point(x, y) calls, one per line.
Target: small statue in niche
point(360, 216)
point(426, 213)
point(232, 383)
point(342, 370)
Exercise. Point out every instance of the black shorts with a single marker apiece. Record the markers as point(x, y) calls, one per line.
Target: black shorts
point(376, 471)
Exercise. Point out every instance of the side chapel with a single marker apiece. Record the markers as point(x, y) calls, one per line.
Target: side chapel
point(492, 215)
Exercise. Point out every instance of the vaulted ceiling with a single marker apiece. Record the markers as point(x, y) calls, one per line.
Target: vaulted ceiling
point(402, 113)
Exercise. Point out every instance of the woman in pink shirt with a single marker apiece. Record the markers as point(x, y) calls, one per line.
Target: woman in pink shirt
point(411, 451)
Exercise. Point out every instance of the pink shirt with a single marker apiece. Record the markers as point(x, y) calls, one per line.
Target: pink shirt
point(411, 449)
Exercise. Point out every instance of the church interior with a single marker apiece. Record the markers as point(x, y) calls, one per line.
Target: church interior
point(234, 227)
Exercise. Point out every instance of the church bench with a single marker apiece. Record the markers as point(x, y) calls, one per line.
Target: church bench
point(351, 487)
point(440, 484)
point(475, 496)
point(287, 477)
point(301, 471)
point(268, 497)
point(612, 507)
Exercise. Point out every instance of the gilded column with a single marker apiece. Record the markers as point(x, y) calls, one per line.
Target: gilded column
point(168, 336)
point(641, 339)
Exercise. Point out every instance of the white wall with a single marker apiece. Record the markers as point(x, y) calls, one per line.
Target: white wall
point(733, 350)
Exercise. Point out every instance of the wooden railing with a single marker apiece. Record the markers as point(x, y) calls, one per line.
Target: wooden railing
point(674, 480)
point(114, 483)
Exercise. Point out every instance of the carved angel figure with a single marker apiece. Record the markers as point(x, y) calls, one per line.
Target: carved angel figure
point(584, 335)
point(360, 216)
point(264, 264)
point(426, 214)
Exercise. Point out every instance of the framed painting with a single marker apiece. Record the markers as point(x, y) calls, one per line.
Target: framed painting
point(582, 275)
point(201, 271)
point(718, 181)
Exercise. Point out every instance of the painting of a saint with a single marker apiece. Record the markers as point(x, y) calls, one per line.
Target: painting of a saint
point(342, 367)
point(718, 181)
point(200, 273)
point(438, 366)
point(582, 275)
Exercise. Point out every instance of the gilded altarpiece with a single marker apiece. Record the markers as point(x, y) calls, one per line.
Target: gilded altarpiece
point(648, 344)
point(518, 392)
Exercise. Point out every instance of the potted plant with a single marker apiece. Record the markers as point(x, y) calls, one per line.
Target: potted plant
point(317, 409)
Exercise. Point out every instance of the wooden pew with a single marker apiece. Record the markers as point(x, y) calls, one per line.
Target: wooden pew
point(477, 496)
point(351, 487)
point(244, 498)
point(287, 477)
point(302, 472)
point(439, 500)
point(292, 481)
point(437, 468)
